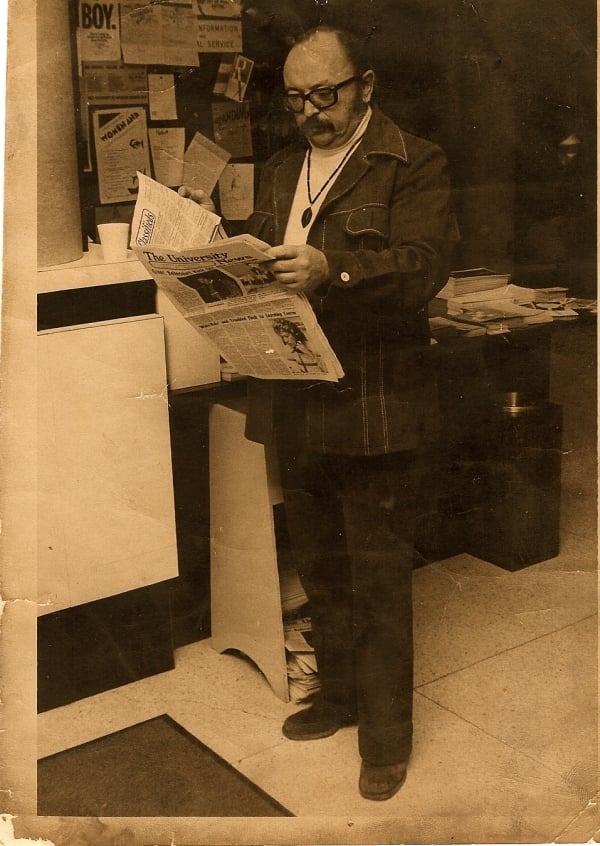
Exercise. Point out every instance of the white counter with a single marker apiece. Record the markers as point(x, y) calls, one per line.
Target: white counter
point(89, 271)
point(191, 359)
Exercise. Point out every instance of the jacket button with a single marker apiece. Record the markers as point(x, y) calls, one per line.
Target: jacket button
point(345, 277)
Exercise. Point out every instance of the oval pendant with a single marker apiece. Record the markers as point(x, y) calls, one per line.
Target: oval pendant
point(306, 217)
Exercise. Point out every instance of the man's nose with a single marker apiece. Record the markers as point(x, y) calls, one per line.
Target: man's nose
point(309, 110)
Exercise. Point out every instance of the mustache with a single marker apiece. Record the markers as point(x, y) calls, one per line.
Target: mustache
point(316, 123)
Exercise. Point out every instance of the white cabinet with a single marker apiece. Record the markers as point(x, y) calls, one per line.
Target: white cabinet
point(191, 358)
point(106, 520)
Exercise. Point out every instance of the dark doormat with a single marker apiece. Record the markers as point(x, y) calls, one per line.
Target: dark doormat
point(153, 769)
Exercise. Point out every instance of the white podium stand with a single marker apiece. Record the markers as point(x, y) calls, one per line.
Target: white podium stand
point(245, 595)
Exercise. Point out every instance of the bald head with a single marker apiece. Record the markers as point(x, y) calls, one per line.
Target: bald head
point(321, 59)
point(352, 46)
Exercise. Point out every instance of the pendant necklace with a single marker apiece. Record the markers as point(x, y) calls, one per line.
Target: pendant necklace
point(307, 213)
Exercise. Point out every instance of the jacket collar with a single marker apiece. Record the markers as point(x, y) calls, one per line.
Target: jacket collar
point(382, 138)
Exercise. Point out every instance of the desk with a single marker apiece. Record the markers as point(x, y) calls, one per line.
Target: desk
point(497, 472)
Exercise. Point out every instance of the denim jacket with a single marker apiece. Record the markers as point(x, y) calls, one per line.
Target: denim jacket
point(387, 230)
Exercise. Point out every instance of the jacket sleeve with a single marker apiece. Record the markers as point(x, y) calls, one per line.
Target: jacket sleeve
point(415, 263)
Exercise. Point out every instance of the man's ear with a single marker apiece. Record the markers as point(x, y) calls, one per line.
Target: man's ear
point(368, 78)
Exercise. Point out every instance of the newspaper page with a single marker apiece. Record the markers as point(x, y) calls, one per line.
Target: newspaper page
point(162, 217)
point(224, 288)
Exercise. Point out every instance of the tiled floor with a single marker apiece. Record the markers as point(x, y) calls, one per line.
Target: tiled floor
point(506, 686)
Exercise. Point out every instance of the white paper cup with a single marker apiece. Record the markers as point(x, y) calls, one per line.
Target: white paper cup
point(114, 238)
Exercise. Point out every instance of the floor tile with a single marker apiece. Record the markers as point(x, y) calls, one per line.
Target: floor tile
point(467, 610)
point(579, 515)
point(462, 786)
point(540, 699)
point(579, 474)
point(225, 701)
point(577, 553)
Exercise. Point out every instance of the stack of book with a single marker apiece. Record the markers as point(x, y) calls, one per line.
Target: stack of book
point(556, 294)
point(469, 281)
point(302, 673)
point(499, 315)
point(445, 327)
point(488, 300)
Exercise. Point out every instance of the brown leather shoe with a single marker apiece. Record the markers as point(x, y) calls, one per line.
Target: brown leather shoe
point(380, 782)
point(316, 721)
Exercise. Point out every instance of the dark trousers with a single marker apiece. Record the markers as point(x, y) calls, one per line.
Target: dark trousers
point(351, 523)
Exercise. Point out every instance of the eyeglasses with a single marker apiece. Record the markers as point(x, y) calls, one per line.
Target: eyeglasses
point(320, 98)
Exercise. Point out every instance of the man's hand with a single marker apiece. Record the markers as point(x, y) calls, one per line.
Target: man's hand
point(299, 267)
point(198, 196)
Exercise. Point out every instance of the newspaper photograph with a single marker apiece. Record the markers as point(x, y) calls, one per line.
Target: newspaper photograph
point(224, 288)
point(277, 338)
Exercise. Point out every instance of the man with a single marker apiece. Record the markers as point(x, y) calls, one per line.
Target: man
point(358, 213)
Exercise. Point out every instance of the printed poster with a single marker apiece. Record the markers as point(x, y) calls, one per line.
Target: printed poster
point(219, 36)
point(159, 33)
point(121, 144)
point(232, 128)
point(224, 72)
point(114, 84)
point(98, 35)
point(108, 84)
point(239, 78)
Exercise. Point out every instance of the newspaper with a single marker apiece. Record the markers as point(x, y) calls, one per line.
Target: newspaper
point(224, 288)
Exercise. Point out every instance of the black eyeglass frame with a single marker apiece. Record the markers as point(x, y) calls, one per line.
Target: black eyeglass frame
point(330, 89)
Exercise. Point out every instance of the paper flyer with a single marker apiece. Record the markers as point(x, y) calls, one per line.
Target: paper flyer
point(161, 91)
point(236, 191)
point(167, 146)
point(224, 72)
point(219, 36)
point(121, 144)
point(113, 84)
point(232, 128)
point(159, 33)
point(239, 78)
point(204, 162)
point(98, 35)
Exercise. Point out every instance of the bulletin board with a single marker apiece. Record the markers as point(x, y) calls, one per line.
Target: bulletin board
point(186, 92)
point(168, 87)
point(172, 87)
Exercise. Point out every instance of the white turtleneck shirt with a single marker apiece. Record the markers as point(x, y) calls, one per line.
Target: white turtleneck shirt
point(323, 163)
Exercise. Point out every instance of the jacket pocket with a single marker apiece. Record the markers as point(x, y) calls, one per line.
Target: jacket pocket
point(261, 225)
point(369, 226)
